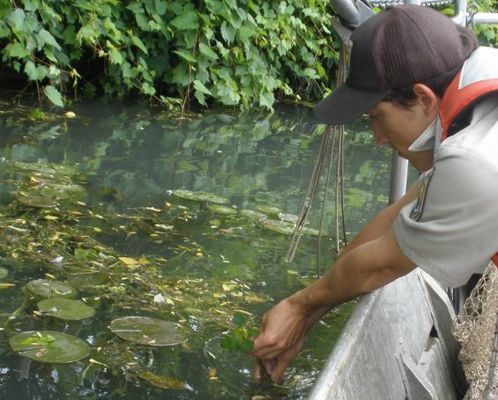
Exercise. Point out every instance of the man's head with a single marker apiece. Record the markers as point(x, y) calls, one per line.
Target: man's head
point(392, 51)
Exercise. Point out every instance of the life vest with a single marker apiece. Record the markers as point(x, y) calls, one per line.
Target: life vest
point(457, 99)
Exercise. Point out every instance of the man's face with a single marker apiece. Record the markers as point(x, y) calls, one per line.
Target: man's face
point(399, 126)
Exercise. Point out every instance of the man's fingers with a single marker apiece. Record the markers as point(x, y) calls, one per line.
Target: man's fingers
point(257, 372)
point(264, 349)
point(279, 368)
point(263, 369)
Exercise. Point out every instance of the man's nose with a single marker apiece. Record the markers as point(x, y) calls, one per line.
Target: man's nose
point(380, 139)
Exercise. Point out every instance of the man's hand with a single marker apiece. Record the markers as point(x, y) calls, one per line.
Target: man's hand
point(281, 337)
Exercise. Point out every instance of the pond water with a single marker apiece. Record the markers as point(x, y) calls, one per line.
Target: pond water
point(98, 201)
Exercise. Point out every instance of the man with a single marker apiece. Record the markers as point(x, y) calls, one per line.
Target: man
point(421, 78)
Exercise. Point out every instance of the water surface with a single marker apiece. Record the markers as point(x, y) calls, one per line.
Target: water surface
point(207, 266)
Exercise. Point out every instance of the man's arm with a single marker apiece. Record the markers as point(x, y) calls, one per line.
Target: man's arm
point(371, 261)
point(382, 221)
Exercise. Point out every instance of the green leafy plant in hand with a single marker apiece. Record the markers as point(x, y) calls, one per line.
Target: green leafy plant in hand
point(240, 337)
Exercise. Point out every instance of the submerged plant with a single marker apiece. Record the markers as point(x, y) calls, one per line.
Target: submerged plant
point(240, 337)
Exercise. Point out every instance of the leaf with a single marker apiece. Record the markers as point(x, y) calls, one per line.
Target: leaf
point(186, 21)
point(129, 261)
point(49, 346)
point(148, 89)
point(160, 6)
point(227, 32)
point(266, 100)
point(207, 51)
point(185, 55)
point(16, 19)
point(54, 95)
point(43, 288)
point(199, 86)
point(4, 30)
point(148, 331)
point(67, 309)
point(16, 50)
point(115, 56)
point(47, 38)
point(164, 382)
point(137, 42)
point(35, 73)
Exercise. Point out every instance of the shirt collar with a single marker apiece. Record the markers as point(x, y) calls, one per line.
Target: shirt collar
point(428, 137)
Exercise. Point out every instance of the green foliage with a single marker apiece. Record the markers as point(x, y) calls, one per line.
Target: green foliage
point(486, 33)
point(240, 337)
point(237, 53)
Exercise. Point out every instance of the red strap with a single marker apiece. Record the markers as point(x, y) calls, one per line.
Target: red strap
point(495, 259)
point(455, 100)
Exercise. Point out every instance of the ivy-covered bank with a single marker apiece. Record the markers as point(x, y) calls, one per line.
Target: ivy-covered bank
point(242, 53)
point(230, 52)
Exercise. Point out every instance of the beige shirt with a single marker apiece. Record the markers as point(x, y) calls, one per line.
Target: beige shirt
point(451, 230)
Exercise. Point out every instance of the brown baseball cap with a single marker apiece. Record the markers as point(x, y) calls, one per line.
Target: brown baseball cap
point(395, 48)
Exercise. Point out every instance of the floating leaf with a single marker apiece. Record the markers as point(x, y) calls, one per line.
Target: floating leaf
point(220, 209)
point(88, 281)
point(148, 331)
point(67, 309)
point(3, 272)
point(270, 210)
point(6, 285)
point(288, 217)
point(199, 196)
point(129, 261)
point(36, 201)
point(251, 214)
point(47, 288)
point(49, 346)
point(285, 228)
point(164, 382)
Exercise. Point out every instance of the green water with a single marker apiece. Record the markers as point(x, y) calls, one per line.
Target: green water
point(207, 266)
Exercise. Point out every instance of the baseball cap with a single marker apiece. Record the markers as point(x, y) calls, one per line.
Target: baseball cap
point(395, 48)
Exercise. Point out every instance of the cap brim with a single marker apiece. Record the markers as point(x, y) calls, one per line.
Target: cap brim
point(346, 104)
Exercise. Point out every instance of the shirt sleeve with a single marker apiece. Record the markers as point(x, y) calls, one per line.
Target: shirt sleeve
point(451, 230)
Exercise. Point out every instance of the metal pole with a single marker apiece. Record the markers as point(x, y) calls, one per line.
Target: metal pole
point(485, 18)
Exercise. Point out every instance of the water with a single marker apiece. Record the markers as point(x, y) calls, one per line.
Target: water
point(207, 266)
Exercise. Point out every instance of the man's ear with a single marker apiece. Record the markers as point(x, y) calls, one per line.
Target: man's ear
point(426, 98)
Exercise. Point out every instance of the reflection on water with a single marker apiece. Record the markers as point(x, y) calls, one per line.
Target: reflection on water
point(130, 159)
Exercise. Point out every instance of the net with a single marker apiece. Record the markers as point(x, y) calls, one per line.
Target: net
point(475, 329)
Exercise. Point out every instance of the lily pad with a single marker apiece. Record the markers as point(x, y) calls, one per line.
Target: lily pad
point(199, 196)
point(148, 331)
point(62, 191)
point(66, 309)
point(49, 346)
point(268, 210)
point(36, 201)
point(45, 288)
point(282, 227)
point(288, 217)
point(3, 273)
point(251, 214)
point(311, 231)
point(220, 209)
point(88, 281)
